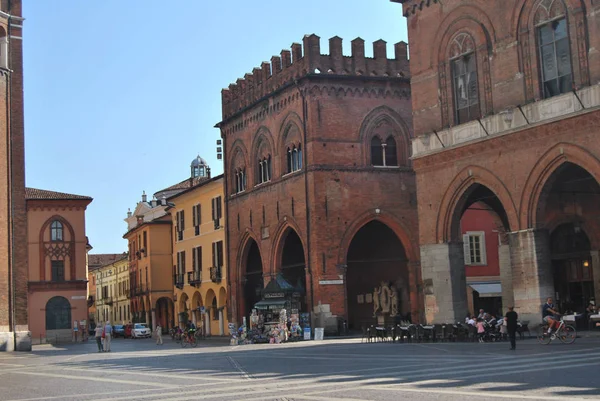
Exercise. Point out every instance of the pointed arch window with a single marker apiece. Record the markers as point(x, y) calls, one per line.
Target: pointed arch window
point(465, 88)
point(376, 152)
point(240, 180)
point(294, 158)
point(264, 170)
point(390, 153)
point(555, 57)
point(56, 231)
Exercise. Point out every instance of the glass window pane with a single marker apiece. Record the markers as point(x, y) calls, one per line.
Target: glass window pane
point(565, 84)
point(462, 99)
point(563, 57)
point(472, 87)
point(560, 29)
point(551, 88)
point(548, 62)
point(376, 152)
point(546, 34)
point(459, 67)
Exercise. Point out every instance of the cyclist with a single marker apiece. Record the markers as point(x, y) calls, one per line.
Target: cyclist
point(549, 313)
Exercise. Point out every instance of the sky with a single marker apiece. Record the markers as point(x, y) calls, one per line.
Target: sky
point(121, 95)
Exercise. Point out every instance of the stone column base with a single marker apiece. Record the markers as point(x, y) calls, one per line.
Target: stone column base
point(19, 341)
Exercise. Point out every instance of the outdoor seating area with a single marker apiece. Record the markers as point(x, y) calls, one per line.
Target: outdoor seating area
point(406, 332)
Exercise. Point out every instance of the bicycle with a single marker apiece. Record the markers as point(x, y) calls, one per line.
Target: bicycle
point(565, 333)
point(188, 338)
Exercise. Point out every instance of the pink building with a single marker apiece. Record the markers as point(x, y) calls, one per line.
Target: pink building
point(57, 250)
point(481, 229)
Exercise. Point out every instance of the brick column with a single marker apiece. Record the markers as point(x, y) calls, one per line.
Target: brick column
point(444, 282)
point(595, 261)
point(532, 272)
point(506, 277)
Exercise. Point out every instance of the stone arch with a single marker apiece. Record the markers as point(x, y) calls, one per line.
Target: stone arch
point(474, 22)
point(287, 225)
point(242, 285)
point(182, 304)
point(526, 14)
point(222, 297)
point(389, 220)
point(399, 131)
point(209, 299)
point(290, 137)
point(246, 242)
point(290, 120)
point(57, 250)
point(456, 196)
point(551, 160)
point(591, 228)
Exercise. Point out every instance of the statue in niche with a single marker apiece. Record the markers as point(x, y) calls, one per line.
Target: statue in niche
point(385, 300)
point(385, 295)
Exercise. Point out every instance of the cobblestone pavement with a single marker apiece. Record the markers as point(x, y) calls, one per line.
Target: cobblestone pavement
point(325, 371)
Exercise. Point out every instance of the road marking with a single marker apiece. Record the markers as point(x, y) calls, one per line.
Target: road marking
point(239, 367)
point(98, 379)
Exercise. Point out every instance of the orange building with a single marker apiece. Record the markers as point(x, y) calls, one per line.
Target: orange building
point(150, 273)
point(95, 262)
point(57, 251)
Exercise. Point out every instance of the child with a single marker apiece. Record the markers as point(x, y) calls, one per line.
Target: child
point(480, 329)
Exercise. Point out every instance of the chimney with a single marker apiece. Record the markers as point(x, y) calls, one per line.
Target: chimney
point(163, 201)
point(154, 201)
point(144, 197)
point(128, 212)
point(208, 172)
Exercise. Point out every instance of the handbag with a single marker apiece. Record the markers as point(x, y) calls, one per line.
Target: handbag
point(103, 333)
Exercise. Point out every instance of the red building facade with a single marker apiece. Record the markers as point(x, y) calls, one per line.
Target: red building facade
point(319, 182)
point(506, 112)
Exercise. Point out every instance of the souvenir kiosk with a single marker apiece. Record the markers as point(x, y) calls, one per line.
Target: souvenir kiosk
point(277, 316)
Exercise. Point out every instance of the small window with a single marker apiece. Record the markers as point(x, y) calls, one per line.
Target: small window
point(555, 58)
point(376, 152)
point(294, 158)
point(464, 79)
point(58, 270)
point(384, 154)
point(474, 248)
point(56, 231)
point(264, 170)
point(240, 180)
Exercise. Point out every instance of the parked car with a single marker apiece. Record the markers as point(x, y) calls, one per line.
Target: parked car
point(141, 330)
point(118, 330)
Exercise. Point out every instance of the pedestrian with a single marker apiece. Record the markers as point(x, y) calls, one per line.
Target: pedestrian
point(159, 340)
point(107, 335)
point(98, 332)
point(511, 325)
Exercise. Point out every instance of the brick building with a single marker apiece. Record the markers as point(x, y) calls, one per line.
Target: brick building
point(319, 184)
point(14, 331)
point(506, 100)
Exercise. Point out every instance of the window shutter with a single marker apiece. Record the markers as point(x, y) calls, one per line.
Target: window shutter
point(214, 254)
point(220, 253)
point(183, 260)
point(182, 221)
point(482, 248)
point(219, 210)
point(213, 208)
point(194, 223)
point(199, 212)
point(194, 259)
point(467, 249)
point(199, 258)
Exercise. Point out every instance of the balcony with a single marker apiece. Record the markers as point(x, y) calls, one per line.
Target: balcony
point(139, 290)
point(178, 279)
point(215, 274)
point(108, 300)
point(195, 278)
point(508, 121)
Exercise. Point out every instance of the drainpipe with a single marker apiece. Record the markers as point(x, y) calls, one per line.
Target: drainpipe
point(305, 166)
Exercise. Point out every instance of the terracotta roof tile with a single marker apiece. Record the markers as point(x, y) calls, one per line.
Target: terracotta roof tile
point(185, 184)
point(98, 260)
point(33, 193)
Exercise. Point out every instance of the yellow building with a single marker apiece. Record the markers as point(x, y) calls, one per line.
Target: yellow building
point(200, 293)
point(112, 291)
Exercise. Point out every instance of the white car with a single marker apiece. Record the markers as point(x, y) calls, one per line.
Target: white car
point(141, 330)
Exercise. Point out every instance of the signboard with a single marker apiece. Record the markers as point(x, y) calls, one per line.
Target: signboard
point(307, 333)
point(330, 282)
point(319, 333)
point(274, 295)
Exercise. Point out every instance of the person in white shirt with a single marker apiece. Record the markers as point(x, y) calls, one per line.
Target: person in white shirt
point(159, 340)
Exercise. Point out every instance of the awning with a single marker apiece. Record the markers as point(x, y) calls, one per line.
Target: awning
point(270, 304)
point(487, 290)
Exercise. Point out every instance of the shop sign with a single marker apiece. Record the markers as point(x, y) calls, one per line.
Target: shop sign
point(329, 282)
point(275, 295)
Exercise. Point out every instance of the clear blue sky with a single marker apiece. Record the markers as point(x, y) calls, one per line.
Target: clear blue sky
point(121, 95)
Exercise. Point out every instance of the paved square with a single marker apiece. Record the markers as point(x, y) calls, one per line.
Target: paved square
point(326, 371)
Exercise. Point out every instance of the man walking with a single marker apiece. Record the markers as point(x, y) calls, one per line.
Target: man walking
point(107, 335)
point(98, 333)
point(511, 325)
point(159, 340)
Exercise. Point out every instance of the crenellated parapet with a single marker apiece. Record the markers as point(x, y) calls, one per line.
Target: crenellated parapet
point(306, 59)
